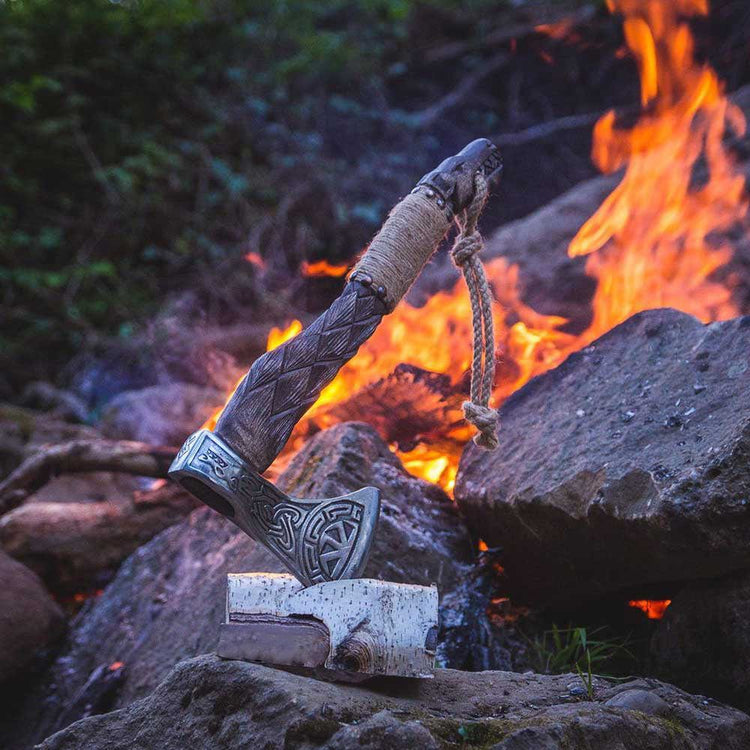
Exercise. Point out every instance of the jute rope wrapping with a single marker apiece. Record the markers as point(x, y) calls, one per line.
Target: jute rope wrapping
point(397, 254)
point(402, 247)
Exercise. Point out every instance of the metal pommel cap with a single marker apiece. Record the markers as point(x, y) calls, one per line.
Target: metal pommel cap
point(328, 539)
point(453, 179)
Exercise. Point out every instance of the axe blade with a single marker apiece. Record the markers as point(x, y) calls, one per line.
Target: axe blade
point(317, 540)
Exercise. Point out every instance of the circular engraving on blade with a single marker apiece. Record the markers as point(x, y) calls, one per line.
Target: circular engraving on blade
point(329, 539)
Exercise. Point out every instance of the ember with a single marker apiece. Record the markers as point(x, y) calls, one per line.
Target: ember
point(80, 597)
point(255, 259)
point(654, 609)
point(323, 268)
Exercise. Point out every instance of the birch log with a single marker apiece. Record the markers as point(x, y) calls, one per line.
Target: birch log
point(360, 626)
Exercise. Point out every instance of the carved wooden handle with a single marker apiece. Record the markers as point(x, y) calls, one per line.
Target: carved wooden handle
point(285, 382)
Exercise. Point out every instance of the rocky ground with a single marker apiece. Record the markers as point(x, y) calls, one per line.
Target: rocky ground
point(167, 600)
point(121, 680)
point(207, 702)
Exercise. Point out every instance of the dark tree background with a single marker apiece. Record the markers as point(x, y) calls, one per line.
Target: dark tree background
point(148, 145)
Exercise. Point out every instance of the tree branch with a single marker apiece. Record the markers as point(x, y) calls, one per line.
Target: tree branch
point(82, 456)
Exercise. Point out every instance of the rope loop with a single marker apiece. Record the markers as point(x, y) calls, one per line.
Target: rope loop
point(467, 246)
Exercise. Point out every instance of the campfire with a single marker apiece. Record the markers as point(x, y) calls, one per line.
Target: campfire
point(602, 536)
point(650, 244)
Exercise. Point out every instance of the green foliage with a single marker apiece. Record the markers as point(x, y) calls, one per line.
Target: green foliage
point(142, 141)
point(571, 649)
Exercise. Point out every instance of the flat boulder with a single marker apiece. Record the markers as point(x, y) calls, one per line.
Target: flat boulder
point(168, 599)
point(207, 702)
point(627, 465)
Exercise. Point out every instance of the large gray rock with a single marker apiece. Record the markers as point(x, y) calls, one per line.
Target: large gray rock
point(206, 702)
point(627, 465)
point(29, 618)
point(161, 414)
point(167, 600)
point(703, 641)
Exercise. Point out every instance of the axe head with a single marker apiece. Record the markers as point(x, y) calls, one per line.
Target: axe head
point(317, 540)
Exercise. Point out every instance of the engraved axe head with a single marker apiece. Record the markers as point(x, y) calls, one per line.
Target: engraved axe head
point(317, 540)
point(329, 539)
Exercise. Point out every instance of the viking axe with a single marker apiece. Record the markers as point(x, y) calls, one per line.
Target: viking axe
point(328, 539)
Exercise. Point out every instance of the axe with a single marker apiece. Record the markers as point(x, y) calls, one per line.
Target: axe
point(328, 539)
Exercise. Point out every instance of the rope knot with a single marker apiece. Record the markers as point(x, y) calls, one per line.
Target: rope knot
point(484, 418)
point(466, 247)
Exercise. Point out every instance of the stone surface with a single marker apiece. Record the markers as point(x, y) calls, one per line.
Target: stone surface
point(168, 598)
point(90, 487)
point(703, 641)
point(29, 618)
point(627, 465)
point(206, 702)
point(78, 546)
point(22, 431)
point(161, 414)
point(637, 699)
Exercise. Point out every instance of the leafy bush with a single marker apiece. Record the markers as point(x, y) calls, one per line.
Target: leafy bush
point(143, 139)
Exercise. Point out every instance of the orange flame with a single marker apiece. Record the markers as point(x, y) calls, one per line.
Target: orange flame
point(654, 609)
point(323, 268)
point(647, 245)
point(279, 336)
point(648, 242)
